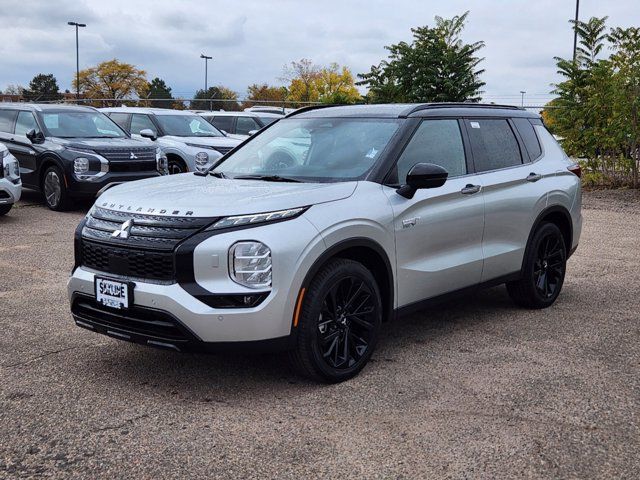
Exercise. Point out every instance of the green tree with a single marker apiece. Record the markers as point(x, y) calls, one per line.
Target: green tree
point(216, 98)
point(42, 88)
point(437, 66)
point(158, 89)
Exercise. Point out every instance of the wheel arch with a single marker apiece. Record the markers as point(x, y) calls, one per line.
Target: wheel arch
point(367, 252)
point(47, 161)
point(559, 216)
point(176, 157)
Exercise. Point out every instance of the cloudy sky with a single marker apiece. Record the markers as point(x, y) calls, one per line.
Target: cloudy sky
point(251, 40)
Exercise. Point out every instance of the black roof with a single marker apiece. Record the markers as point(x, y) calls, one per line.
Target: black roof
point(404, 110)
point(40, 107)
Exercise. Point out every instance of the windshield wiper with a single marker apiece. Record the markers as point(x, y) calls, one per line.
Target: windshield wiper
point(267, 178)
point(218, 174)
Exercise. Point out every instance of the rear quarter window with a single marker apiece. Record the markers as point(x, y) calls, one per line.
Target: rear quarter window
point(529, 137)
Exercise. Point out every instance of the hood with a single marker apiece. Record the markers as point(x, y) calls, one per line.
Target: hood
point(217, 197)
point(208, 141)
point(100, 143)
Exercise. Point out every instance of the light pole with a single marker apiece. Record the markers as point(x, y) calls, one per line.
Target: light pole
point(522, 92)
point(575, 31)
point(77, 25)
point(206, 69)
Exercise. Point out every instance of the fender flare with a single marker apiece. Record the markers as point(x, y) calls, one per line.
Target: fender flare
point(343, 245)
point(539, 219)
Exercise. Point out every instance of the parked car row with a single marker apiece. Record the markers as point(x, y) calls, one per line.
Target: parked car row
point(73, 152)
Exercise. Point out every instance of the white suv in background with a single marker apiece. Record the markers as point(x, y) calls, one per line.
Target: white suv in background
point(190, 142)
point(240, 124)
point(10, 184)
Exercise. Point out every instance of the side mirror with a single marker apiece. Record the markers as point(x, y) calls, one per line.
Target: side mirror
point(148, 133)
point(253, 132)
point(423, 175)
point(35, 137)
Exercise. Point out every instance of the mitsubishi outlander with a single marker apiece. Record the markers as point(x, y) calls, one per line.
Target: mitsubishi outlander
point(327, 223)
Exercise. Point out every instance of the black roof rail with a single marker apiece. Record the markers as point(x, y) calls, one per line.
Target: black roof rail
point(309, 108)
point(428, 106)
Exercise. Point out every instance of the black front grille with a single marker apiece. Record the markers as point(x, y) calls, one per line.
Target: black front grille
point(133, 166)
point(145, 252)
point(128, 262)
point(141, 154)
point(138, 324)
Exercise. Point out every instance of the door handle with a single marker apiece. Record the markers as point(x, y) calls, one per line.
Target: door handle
point(470, 189)
point(533, 177)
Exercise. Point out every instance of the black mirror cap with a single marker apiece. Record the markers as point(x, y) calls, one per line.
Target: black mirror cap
point(35, 137)
point(148, 133)
point(423, 175)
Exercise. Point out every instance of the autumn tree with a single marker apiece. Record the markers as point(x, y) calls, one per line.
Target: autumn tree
point(158, 89)
point(216, 98)
point(437, 66)
point(312, 83)
point(113, 80)
point(42, 88)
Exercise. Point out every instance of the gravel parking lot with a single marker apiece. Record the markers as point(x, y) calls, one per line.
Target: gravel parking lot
point(474, 388)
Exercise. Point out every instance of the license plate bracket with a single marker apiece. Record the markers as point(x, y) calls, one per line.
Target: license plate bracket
point(112, 293)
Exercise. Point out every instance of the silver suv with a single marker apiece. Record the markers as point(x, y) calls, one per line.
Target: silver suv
point(10, 184)
point(190, 142)
point(377, 210)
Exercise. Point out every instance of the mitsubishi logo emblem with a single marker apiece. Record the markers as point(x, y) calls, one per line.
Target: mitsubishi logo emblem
point(133, 156)
point(124, 231)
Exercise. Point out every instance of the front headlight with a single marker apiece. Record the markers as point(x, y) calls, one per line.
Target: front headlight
point(9, 167)
point(202, 161)
point(80, 166)
point(257, 218)
point(250, 264)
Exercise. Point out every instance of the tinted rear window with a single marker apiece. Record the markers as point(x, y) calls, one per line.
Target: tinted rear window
point(122, 119)
point(529, 137)
point(221, 123)
point(494, 144)
point(6, 120)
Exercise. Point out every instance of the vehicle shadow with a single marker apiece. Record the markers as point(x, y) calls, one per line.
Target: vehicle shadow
point(199, 375)
point(33, 198)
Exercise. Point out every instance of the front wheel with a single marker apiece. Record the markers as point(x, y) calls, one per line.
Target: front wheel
point(54, 189)
point(339, 323)
point(544, 269)
point(176, 166)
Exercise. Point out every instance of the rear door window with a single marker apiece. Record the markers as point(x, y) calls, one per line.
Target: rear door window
point(494, 144)
point(6, 120)
point(529, 137)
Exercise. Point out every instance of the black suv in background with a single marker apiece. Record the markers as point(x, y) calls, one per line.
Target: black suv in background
point(70, 152)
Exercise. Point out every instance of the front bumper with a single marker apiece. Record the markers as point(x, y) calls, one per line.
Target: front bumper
point(9, 192)
point(206, 324)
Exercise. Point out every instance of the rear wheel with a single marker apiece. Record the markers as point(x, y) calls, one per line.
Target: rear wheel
point(4, 209)
point(54, 189)
point(544, 269)
point(339, 322)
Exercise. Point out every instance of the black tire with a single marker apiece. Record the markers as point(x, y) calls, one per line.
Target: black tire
point(325, 333)
point(4, 209)
point(54, 189)
point(544, 269)
point(176, 166)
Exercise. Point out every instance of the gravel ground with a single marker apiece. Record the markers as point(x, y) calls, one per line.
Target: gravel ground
point(472, 389)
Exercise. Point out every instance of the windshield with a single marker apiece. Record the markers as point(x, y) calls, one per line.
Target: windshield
point(81, 125)
point(313, 149)
point(187, 126)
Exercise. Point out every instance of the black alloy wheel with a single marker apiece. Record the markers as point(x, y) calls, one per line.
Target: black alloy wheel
point(339, 322)
point(543, 271)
